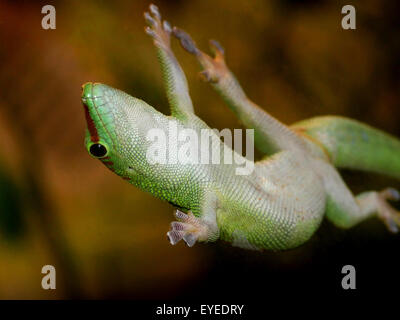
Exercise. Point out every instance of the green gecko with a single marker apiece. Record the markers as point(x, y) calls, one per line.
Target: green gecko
point(281, 203)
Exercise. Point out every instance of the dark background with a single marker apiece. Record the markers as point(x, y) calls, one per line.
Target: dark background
point(106, 238)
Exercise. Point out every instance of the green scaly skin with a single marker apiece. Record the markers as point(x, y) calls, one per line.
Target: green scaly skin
point(281, 203)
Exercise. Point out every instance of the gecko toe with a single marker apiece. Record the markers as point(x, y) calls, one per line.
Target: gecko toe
point(190, 239)
point(389, 215)
point(393, 194)
point(181, 216)
point(167, 26)
point(186, 41)
point(208, 76)
point(179, 231)
point(149, 19)
point(174, 236)
point(178, 226)
point(392, 226)
point(216, 47)
point(154, 10)
point(150, 32)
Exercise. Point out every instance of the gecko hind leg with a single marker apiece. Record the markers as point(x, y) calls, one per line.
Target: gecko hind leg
point(346, 210)
point(188, 228)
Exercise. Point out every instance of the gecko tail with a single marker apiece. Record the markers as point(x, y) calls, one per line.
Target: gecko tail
point(354, 145)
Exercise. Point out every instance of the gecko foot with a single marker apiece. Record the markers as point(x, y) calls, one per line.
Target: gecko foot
point(214, 67)
point(159, 30)
point(389, 215)
point(189, 228)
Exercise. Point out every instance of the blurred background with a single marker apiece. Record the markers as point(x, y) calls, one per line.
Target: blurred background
point(106, 238)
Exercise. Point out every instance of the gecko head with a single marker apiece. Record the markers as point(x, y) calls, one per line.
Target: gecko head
point(115, 127)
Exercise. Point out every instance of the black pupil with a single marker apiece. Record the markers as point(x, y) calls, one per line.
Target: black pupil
point(98, 150)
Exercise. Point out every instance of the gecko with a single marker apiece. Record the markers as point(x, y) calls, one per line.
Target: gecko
point(277, 206)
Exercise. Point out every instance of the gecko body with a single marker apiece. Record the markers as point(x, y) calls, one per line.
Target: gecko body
point(278, 205)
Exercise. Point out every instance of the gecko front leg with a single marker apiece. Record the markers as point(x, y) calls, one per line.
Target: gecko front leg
point(159, 30)
point(189, 228)
point(200, 226)
point(174, 78)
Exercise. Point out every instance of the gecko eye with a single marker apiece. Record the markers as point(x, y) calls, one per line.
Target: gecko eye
point(98, 150)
